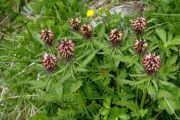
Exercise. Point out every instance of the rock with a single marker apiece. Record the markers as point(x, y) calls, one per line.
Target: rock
point(128, 8)
point(124, 9)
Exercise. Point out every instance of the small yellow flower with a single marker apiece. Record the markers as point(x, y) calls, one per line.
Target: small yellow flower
point(90, 13)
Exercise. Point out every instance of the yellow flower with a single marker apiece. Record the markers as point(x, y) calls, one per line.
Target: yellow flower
point(90, 13)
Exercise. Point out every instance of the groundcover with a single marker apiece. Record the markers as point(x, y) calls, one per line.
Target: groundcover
point(89, 60)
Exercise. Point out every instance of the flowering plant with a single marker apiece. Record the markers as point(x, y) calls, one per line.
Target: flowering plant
point(60, 66)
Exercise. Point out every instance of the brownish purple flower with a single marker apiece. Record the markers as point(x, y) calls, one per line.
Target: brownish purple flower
point(49, 61)
point(86, 31)
point(75, 24)
point(115, 37)
point(47, 36)
point(151, 63)
point(140, 46)
point(139, 25)
point(66, 49)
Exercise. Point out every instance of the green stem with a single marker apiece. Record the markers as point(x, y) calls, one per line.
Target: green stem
point(143, 98)
point(137, 94)
point(144, 94)
point(83, 104)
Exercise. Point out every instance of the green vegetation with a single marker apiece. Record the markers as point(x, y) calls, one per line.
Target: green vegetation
point(100, 82)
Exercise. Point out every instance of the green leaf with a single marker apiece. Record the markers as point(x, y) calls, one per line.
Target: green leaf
point(123, 114)
point(107, 102)
point(124, 117)
point(76, 85)
point(104, 111)
point(59, 89)
point(129, 104)
point(39, 117)
point(164, 93)
point(161, 34)
point(175, 41)
point(168, 84)
point(66, 114)
point(89, 58)
point(114, 114)
point(66, 77)
point(168, 104)
point(36, 36)
point(130, 82)
point(76, 35)
point(151, 91)
point(169, 69)
point(80, 69)
point(99, 44)
point(143, 112)
point(170, 36)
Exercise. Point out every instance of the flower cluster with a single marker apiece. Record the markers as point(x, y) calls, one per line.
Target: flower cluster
point(49, 61)
point(140, 46)
point(115, 37)
point(139, 25)
point(86, 31)
point(151, 63)
point(75, 24)
point(66, 47)
point(47, 36)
